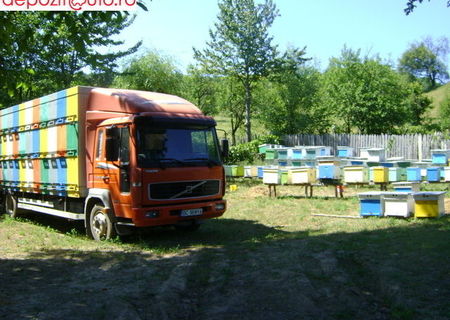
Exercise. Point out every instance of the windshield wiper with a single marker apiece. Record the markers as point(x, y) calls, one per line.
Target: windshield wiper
point(170, 160)
point(210, 161)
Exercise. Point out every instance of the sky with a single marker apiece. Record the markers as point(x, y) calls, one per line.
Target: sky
point(173, 27)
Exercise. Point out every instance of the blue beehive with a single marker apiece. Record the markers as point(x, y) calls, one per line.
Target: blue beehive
point(433, 174)
point(406, 186)
point(371, 204)
point(329, 172)
point(439, 156)
point(296, 154)
point(344, 151)
point(413, 174)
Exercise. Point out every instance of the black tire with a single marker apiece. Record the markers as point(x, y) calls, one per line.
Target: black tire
point(101, 224)
point(11, 206)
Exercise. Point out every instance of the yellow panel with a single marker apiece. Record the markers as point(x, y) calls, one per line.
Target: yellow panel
point(72, 171)
point(22, 120)
point(72, 101)
point(426, 209)
point(380, 175)
point(43, 140)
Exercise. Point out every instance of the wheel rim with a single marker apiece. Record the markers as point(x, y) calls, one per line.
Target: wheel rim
point(10, 205)
point(100, 225)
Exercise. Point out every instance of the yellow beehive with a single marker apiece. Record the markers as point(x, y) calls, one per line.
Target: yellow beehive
point(429, 204)
point(304, 175)
point(380, 174)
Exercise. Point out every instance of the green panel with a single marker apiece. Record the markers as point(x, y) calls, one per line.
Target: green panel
point(45, 167)
point(72, 136)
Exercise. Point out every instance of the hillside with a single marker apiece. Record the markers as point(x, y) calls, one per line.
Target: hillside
point(438, 96)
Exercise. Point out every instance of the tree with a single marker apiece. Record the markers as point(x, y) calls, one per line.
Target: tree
point(200, 88)
point(240, 46)
point(42, 52)
point(365, 95)
point(290, 102)
point(411, 5)
point(422, 62)
point(151, 72)
point(230, 99)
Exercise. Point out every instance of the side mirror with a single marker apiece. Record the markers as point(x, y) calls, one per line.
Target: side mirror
point(225, 148)
point(112, 143)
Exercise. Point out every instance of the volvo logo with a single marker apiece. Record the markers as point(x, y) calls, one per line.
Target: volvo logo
point(189, 189)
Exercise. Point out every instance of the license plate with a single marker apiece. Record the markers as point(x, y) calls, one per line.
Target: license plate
point(191, 212)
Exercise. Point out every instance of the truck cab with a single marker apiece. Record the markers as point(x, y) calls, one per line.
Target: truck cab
point(157, 171)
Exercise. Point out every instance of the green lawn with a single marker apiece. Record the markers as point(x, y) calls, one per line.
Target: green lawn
point(266, 258)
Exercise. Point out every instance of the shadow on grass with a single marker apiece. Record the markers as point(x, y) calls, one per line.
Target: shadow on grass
point(251, 272)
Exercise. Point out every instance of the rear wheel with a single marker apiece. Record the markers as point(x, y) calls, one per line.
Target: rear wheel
point(11, 206)
point(101, 225)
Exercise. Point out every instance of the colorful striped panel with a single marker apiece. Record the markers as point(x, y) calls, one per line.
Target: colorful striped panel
point(39, 145)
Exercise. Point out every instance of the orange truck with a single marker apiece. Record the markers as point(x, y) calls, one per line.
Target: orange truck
point(117, 159)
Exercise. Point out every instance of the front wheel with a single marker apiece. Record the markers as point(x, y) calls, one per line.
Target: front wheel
point(101, 225)
point(11, 206)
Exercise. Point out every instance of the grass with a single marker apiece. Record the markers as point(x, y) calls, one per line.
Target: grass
point(437, 96)
point(265, 258)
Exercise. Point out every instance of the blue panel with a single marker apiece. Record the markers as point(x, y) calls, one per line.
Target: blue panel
point(296, 154)
point(370, 207)
point(15, 116)
point(413, 174)
point(326, 172)
point(433, 175)
point(282, 163)
point(342, 153)
point(61, 104)
point(438, 158)
point(260, 172)
point(403, 189)
point(356, 162)
point(387, 164)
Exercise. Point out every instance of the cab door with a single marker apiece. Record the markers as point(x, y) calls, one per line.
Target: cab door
point(114, 175)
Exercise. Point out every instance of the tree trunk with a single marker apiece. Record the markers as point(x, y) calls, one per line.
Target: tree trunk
point(248, 104)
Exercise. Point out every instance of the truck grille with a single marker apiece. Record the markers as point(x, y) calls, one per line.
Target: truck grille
point(183, 190)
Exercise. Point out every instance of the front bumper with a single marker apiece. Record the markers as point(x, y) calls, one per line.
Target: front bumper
point(169, 215)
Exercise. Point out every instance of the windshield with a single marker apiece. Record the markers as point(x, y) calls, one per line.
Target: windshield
point(163, 146)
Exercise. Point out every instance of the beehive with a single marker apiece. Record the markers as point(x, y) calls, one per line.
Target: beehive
point(406, 186)
point(397, 174)
point(447, 174)
point(237, 171)
point(342, 151)
point(433, 174)
point(356, 174)
point(440, 156)
point(429, 204)
point(329, 172)
point(413, 174)
point(398, 204)
point(380, 174)
point(304, 175)
point(371, 204)
point(271, 176)
point(40, 144)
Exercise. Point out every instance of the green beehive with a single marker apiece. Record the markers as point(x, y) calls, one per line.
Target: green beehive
point(271, 154)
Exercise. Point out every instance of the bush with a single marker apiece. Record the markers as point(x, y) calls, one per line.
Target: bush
point(249, 152)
